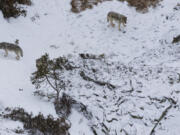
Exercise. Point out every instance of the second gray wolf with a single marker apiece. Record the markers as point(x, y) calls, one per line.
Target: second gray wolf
point(10, 47)
point(117, 17)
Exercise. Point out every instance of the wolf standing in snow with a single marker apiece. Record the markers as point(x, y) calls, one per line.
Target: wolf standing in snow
point(117, 17)
point(13, 48)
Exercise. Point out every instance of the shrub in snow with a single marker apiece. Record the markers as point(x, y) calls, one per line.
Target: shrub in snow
point(176, 39)
point(142, 5)
point(38, 125)
point(66, 103)
point(51, 72)
point(81, 5)
point(11, 8)
point(18, 130)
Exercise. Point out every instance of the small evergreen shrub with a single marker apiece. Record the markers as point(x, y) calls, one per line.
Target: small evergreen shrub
point(51, 72)
point(11, 8)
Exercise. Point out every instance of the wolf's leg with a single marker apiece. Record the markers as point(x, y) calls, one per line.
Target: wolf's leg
point(6, 53)
point(124, 24)
point(119, 23)
point(111, 20)
point(17, 55)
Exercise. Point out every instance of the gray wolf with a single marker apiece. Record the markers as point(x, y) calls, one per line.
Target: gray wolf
point(117, 17)
point(10, 47)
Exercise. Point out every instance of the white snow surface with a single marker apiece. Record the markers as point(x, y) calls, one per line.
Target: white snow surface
point(144, 44)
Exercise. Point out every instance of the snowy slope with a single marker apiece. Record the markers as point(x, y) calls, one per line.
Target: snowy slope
point(145, 41)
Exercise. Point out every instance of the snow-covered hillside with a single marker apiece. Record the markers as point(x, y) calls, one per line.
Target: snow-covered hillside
point(140, 61)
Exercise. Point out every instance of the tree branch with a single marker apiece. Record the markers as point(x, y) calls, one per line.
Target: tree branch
point(87, 78)
point(164, 113)
point(51, 84)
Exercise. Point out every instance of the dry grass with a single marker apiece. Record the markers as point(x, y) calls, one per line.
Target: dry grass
point(39, 124)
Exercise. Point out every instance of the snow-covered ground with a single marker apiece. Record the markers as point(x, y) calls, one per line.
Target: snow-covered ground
point(143, 46)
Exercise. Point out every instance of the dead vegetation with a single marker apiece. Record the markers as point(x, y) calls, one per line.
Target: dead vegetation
point(81, 5)
point(101, 83)
point(142, 5)
point(39, 124)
